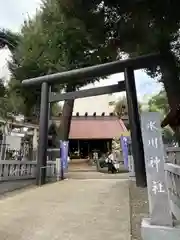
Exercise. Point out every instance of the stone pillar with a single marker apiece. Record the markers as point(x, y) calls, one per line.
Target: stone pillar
point(160, 224)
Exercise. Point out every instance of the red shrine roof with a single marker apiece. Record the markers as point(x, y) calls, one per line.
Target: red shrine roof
point(96, 127)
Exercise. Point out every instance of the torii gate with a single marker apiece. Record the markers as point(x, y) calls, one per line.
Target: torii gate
point(127, 66)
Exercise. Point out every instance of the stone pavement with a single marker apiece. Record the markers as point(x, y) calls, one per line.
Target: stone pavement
point(89, 209)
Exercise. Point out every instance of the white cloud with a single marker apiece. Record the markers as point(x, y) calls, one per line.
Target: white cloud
point(12, 15)
point(145, 85)
point(14, 12)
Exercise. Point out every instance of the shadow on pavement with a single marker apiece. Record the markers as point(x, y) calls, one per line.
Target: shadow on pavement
point(10, 186)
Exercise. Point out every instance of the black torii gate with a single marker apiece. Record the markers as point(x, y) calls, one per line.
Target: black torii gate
point(127, 66)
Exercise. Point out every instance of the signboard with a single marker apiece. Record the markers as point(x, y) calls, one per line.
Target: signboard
point(154, 161)
point(124, 145)
point(126, 134)
point(64, 148)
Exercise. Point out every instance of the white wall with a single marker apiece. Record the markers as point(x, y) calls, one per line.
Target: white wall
point(98, 104)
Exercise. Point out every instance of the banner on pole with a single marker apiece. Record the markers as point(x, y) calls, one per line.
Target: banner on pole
point(64, 148)
point(124, 145)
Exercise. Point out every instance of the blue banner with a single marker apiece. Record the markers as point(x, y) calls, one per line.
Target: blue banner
point(64, 148)
point(124, 145)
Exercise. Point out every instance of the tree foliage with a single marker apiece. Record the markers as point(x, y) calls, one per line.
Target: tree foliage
point(138, 27)
point(71, 34)
point(56, 110)
point(159, 103)
point(54, 42)
point(9, 39)
point(51, 43)
point(6, 105)
point(121, 107)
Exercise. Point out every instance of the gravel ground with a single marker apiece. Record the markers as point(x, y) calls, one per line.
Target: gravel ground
point(88, 209)
point(138, 197)
point(138, 207)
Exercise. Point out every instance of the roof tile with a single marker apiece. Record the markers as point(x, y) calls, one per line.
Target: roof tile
point(96, 128)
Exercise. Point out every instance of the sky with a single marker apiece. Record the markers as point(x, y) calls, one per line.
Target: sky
point(12, 15)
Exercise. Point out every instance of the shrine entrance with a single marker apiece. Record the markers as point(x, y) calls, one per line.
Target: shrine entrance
point(128, 84)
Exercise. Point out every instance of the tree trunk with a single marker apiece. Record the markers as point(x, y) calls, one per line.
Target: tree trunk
point(65, 123)
point(67, 111)
point(170, 79)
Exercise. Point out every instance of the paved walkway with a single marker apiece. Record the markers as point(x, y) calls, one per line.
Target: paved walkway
point(89, 209)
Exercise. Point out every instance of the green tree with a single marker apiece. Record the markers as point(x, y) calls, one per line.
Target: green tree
point(9, 39)
point(4, 106)
point(50, 43)
point(136, 28)
point(6, 111)
point(121, 107)
point(12, 103)
point(7, 103)
point(13, 94)
point(159, 103)
point(56, 110)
